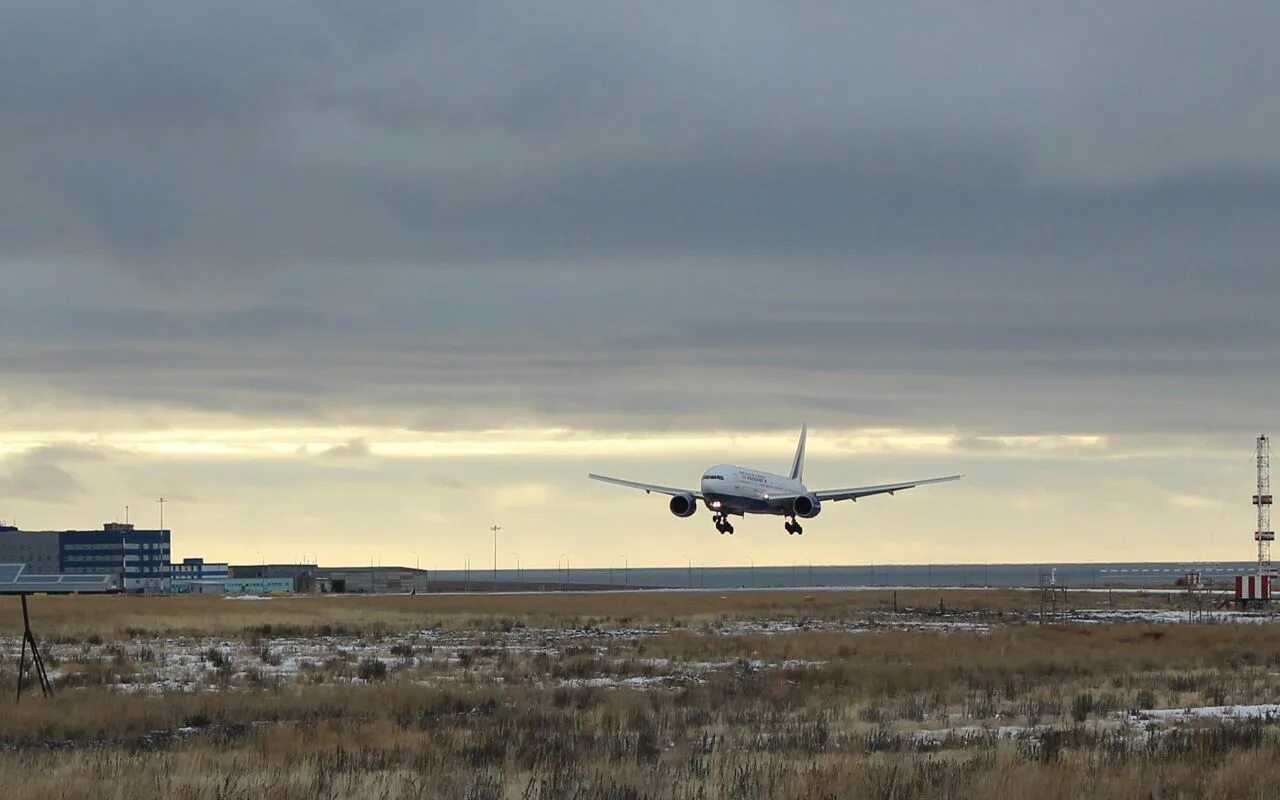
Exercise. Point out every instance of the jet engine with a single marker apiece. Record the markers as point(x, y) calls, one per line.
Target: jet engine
point(806, 505)
point(683, 505)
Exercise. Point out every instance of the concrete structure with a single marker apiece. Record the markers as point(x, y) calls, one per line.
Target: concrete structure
point(302, 575)
point(139, 559)
point(204, 587)
point(37, 551)
point(259, 585)
point(374, 580)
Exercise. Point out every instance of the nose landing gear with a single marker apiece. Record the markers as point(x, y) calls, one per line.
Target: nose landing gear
point(793, 527)
point(722, 523)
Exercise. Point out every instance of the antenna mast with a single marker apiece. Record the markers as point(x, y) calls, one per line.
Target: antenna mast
point(1264, 535)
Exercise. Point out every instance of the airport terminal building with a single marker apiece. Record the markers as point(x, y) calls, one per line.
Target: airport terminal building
point(138, 558)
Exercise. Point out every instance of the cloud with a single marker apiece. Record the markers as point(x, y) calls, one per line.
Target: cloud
point(354, 449)
point(238, 140)
point(33, 478)
point(963, 223)
point(522, 496)
point(1195, 502)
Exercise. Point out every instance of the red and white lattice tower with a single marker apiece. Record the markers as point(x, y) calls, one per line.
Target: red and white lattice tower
point(1264, 535)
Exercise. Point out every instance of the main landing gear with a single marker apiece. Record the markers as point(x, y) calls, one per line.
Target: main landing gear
point(793, 527)
point(722, 523)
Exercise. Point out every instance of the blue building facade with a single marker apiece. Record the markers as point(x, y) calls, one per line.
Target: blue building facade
point(140, 557)
point(197, 570)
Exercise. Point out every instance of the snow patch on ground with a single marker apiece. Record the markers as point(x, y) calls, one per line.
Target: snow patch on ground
point(1267, 712)
point(1171, 616)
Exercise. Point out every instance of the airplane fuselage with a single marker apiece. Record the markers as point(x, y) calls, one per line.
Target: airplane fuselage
point(727, 489)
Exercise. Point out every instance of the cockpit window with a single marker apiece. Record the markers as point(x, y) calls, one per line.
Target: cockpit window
point(710, 477)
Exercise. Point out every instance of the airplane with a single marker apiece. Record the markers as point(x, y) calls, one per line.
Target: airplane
point(729, 490)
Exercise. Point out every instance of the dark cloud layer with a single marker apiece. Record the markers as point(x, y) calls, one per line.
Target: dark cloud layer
point(1011, 218)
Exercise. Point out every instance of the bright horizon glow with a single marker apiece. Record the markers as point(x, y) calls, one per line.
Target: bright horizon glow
point(387, 442)
point(347, 494)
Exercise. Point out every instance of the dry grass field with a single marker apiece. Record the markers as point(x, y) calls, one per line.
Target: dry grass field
point(772, 694)
point(125, 616)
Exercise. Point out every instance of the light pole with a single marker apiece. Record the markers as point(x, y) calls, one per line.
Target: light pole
point(161, 503)
point(564, 586)
point(495, 530)
point(416, 569)
point(519, 578)
point(626, 572)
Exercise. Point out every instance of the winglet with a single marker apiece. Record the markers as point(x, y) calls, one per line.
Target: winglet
point(797, 464)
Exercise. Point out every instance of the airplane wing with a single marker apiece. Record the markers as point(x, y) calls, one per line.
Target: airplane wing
point(647, 487)
point(835, 495)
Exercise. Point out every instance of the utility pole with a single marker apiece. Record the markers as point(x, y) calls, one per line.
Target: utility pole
point(495, 530)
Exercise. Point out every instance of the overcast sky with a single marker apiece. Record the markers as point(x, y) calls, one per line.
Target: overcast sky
point(355, 282)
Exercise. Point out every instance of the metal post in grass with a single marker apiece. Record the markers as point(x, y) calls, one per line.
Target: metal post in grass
point(495, 530)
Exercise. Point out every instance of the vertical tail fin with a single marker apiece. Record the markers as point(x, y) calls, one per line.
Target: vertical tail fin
point(797, 464)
